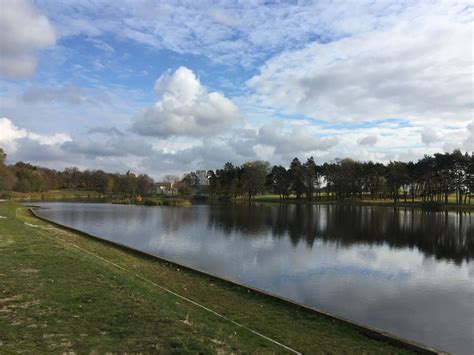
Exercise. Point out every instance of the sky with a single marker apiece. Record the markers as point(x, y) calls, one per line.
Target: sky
point(167, 87)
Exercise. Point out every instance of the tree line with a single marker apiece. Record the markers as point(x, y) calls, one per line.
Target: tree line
point(24, 177)
point(433, 178)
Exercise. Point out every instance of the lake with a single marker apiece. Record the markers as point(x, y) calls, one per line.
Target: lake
point(401, 270)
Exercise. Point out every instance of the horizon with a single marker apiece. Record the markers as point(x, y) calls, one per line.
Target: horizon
point(166, 89)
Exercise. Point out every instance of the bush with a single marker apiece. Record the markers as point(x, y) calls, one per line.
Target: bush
point(150, 203)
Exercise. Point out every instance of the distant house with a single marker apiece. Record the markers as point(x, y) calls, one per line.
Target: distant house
point(163, 188)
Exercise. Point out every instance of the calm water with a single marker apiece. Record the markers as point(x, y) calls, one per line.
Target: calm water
point(401, 270)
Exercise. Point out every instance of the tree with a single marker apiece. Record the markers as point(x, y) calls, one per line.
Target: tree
point(460, 166)
point(226, 176)
point(7, 178)
point(279, 181)
point(145, 185)
point(192, 179)
point(235, 187)
point(469, 179)
point(297, 178)
point(212, 187)
point(183, 188)
point(253, 177)
point(412, 175)
point(397, 176)
point(100, 180)
point(128, 184)
point(172, 180)
point(28, 178)
point(341, 177)
point(310, 177)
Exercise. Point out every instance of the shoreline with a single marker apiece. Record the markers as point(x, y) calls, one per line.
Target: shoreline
point(366, 330)
point(65, 270)
point(91, 196)
point(371, 203)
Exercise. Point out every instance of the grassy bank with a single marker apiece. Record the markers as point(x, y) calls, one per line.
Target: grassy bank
point(450, 206)
point(93, 196)
point(61, 292)
point(56, 195)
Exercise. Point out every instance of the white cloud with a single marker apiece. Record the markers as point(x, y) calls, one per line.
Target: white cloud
point(100, 148)
point(10, 135)
point(231, 32)
point(469, 142)
point(186, 108)
point(420, 69)
point(104, 46)
point(338, 62)
point(368, 140)
point(429, 136)
point(227, 18)
point(108, 143)
point(23, 31)
point(55, 139)
point(297, 140)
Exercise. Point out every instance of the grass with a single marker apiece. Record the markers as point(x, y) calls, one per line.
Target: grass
point(59, 294)
point(55, 195)
point(78, 195)
point(451, 205)
point(94, 196)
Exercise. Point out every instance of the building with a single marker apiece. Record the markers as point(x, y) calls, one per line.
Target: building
point(203, 182)
point(163, 188)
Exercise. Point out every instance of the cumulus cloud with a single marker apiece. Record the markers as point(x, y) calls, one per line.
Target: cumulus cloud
point(419, 69)
point(367, 140)
point(186, 108)
point(11, 135)
point(334, 62)
point(297, 140)
point(24, 31)
point(37, 152)
point(103, 143)
point(99, 148)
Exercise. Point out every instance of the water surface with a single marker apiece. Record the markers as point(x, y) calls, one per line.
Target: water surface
point(402, 270)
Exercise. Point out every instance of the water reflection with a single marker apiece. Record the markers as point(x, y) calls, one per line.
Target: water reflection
point(402, 270)
point(445, 235)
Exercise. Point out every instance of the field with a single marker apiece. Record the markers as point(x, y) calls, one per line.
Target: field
point(63, 291)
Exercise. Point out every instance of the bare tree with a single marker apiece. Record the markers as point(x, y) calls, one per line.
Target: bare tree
point(172, 180)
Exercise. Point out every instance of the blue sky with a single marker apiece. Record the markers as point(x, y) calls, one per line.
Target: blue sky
point(167, 87)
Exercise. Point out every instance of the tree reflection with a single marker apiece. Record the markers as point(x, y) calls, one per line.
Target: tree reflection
point(444, 235)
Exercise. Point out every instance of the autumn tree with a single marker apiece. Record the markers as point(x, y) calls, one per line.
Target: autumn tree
point(7, 178)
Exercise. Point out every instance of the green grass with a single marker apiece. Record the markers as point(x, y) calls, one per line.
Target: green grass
point(451, 205)
point(56, 295)
point(55, 195)
point(83, 195)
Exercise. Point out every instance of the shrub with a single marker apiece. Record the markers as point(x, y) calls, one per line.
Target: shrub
point(149, 202)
